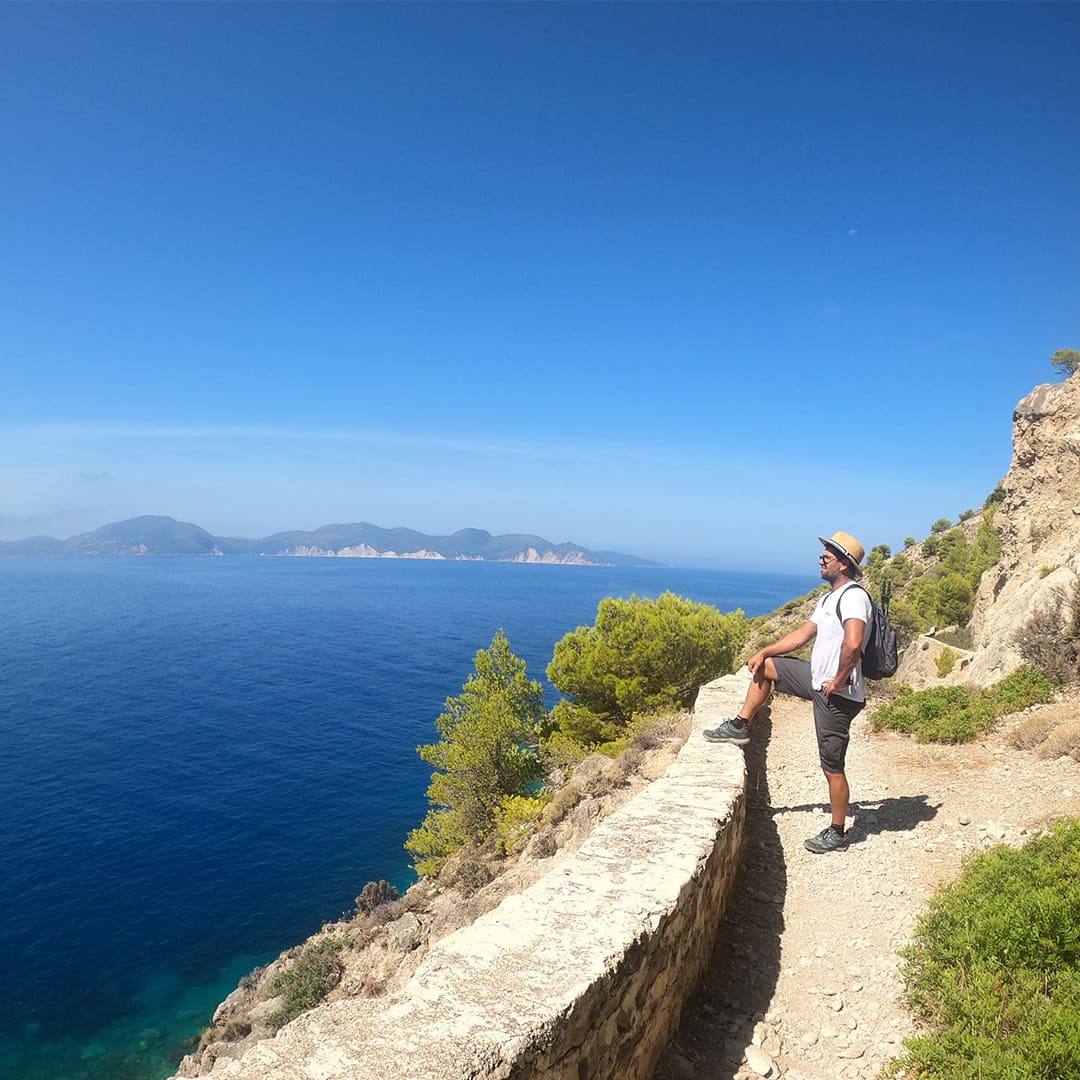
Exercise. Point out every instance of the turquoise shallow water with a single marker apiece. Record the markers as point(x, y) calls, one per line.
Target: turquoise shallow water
point(204, 759)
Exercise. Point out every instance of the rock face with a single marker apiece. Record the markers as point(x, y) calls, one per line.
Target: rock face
point(1039, 522)
point(1039, 525)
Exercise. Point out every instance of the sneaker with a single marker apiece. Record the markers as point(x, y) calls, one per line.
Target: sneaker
point(728, 732)
point(826, 840)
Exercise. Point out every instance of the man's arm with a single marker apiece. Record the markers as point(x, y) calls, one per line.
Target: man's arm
point(850, 651)
point(796, 639)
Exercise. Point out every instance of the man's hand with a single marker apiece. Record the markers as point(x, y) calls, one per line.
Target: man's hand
point(756, 661)
point(832, 686)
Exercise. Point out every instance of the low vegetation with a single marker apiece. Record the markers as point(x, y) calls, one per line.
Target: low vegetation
point(945, 662)
point(994, 968)
point(934, 583)
point(1050, 733)
point(955, 714)
point(1051, 637)
point(310, 976)
point(374, 895)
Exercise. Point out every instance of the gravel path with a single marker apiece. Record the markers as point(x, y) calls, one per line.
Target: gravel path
point(805, 982)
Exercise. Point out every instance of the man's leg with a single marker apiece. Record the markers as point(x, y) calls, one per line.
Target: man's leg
point(832, 724)
point(737, 729)
point(839, 795)
point(758, 692)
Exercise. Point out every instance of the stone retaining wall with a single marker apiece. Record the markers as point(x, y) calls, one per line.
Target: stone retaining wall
point(583, 976)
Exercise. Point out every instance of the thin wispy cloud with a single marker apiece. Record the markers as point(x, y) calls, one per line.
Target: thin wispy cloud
point(554, 450)
point(259, 433)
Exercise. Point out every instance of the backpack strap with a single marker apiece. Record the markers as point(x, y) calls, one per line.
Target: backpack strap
point(840, 596)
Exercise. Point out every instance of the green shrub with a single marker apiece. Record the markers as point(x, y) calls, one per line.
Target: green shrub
point(954, 555)
point(516, 820)
point(311, 976)
point(955, 599)
point(960, 726)
point(986, 551)
point(615, 747)
point(953, 714)
point(920, 710)
point(581, 727)
point(945, 662)
point(563, 801)
point(641, 654)
point(905, 620)
point(561, 750)
point(1025, 686)
point(994, 967)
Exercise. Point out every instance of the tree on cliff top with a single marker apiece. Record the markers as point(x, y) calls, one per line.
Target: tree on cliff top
point(1066, 360)
point(642, 654)
point(485, 755)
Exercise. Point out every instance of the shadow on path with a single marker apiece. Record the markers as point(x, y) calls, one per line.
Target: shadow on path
point(900, 814)
point(718, 1021)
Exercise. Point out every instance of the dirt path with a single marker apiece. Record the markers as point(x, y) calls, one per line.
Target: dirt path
point(804, 982)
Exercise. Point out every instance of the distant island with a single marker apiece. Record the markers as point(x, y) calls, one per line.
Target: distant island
point(156, 535)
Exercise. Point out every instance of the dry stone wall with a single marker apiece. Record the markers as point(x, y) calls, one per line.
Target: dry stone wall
point(583, 976)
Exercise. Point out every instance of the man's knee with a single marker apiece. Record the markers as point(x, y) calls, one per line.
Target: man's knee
point(767, 671)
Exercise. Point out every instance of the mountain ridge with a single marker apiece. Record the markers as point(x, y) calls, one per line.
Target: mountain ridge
point(152, 534)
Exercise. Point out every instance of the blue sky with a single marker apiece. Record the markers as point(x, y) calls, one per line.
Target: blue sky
point(697, 282)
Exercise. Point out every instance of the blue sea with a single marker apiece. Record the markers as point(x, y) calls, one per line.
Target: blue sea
point(203, 760)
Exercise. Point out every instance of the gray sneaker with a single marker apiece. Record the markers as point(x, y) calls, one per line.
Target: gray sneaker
point(728, 732)
point(826, 840)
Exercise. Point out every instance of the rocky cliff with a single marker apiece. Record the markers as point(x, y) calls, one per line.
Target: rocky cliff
point(1039, 525)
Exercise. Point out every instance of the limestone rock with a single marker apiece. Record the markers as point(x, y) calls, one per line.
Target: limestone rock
point(1039, 525)
point(759, 1061)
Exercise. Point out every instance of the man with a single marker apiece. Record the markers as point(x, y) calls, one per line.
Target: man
point(832, 679)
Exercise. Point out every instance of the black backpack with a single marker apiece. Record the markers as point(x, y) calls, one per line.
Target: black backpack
point(880, 654)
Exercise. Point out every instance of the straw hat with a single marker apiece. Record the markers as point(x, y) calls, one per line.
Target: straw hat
point(845, 545)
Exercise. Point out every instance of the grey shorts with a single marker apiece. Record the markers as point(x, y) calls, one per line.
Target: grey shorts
point(832, 715)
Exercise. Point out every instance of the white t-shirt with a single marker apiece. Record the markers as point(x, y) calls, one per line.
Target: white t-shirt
point(825, 657)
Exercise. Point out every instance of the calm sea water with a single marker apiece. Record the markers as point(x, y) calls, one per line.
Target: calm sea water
point(205, 759)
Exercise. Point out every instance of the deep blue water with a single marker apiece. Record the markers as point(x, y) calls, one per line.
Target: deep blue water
point(202, 760)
